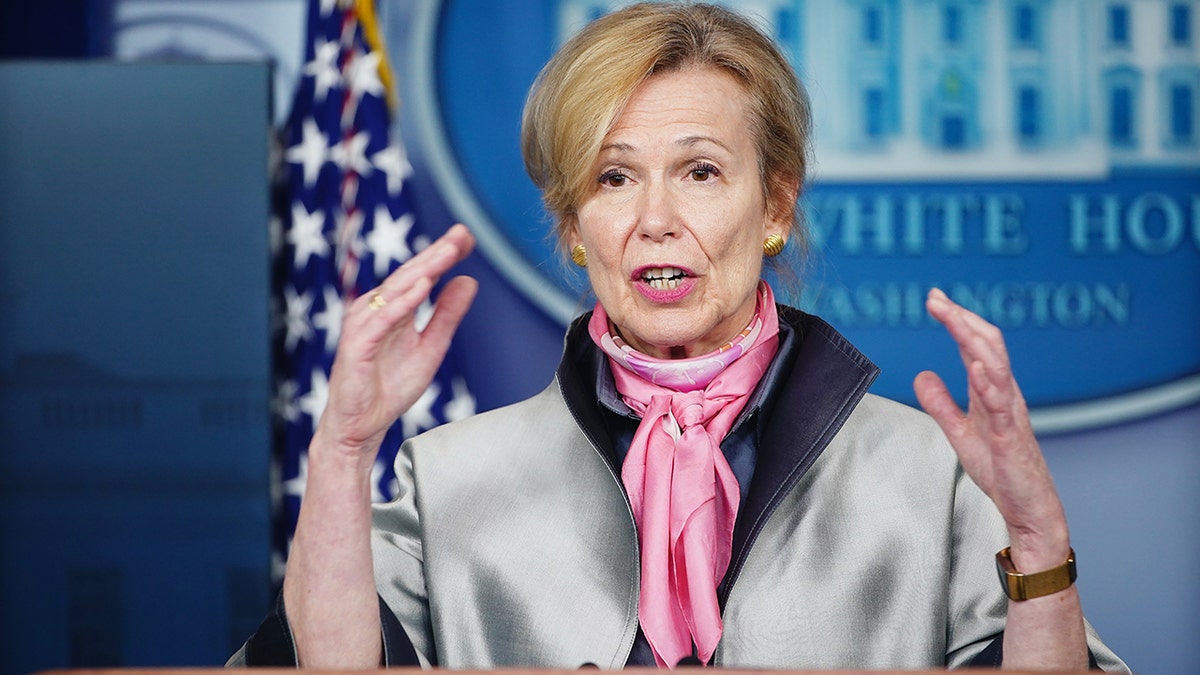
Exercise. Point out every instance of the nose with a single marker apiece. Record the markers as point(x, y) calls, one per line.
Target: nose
point(658, 212)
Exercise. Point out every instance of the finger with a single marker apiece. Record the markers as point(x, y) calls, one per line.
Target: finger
point(944, 310)
point(988, 376)
point(431, 263)
point(984, 353)
point(462, 236)
point(977, 339)
point(1001, 401)
point(985, 391)
point(370, 320)
point(935, 399)
point(452, 305)
point(967, 322)
point(397, 299)
point(459, 239)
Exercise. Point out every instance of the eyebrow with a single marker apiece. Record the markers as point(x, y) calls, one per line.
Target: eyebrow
point(685, 142)
point(690, 141)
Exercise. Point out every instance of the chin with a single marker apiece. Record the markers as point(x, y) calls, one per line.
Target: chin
point(667, 342)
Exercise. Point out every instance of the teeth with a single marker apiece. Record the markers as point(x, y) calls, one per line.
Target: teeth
point(663, 278)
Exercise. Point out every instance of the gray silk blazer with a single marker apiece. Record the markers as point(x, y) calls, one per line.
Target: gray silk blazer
point(860, 542)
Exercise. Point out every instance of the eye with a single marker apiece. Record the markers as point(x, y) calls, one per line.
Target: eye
point(703, 172)
point(613, 178)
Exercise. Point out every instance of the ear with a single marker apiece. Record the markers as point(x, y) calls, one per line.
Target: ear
point(781, 205)
point(568, 230)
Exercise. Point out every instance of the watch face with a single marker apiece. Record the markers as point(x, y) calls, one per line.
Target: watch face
point(1019, 586)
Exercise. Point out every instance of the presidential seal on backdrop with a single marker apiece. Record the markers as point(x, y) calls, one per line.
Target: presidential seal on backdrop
point(1039, 161)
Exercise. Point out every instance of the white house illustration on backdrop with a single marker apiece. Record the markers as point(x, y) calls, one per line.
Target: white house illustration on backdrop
point(989, 89)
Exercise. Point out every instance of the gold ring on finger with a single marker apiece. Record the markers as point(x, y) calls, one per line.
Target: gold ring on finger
point(377, 301)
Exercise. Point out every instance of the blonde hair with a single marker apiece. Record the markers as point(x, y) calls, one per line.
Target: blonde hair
point(581, 91)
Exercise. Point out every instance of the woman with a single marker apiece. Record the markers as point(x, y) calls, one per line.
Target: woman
point(707, 479)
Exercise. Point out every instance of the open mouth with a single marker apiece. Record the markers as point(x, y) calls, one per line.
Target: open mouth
point(663, 278)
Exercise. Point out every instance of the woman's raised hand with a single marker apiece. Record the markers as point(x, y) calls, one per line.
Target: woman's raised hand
point(384, 362)
point(996, 445)
point(994, 438)
point(385, 359)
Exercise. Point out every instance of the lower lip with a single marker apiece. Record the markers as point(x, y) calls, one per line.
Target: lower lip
point(668, 295)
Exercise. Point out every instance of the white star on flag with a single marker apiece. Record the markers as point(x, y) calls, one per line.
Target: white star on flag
point(420, 416)
point(462, 405)
point(328, 6)
point(283, 404)
point(298, 326)
point(311, 152)
point(307, 235)
point(364, 74)
point(298, 484)
point(313, 403)
point(389, 239)
point(350, 154)
point(324, 68)
point(329, 320)
point(394, 163)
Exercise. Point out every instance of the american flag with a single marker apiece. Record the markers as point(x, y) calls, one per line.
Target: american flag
point(342, 222)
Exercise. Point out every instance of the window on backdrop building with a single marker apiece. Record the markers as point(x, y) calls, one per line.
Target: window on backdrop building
point(952, 25)
point(1179, 87)
point(1180, 25)
point(872, 25)
point(1118, 28)
point(954, 131)
point(1122, 86)
point(873, 114)
point(1026, 26)
point(1181, 113)
point(1029, 115)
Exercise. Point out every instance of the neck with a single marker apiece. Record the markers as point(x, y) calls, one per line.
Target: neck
point(677, 352)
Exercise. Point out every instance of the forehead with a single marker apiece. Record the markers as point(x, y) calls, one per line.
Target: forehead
point(684, 107)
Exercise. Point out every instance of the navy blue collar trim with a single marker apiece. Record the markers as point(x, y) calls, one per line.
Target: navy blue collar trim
point(817, 381)
point(825, 380)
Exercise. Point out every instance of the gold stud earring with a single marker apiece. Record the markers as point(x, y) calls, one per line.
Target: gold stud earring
point(773, 245)
point(579, 255)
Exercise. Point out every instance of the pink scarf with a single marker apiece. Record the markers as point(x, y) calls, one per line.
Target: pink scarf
point(684, 495)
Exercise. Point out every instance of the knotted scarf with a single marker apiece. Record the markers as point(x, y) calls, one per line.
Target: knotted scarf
point(683, 493)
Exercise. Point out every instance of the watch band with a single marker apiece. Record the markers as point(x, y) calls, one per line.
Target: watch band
point(1027, 586)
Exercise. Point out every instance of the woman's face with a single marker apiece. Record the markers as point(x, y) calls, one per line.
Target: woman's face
point(675, 222)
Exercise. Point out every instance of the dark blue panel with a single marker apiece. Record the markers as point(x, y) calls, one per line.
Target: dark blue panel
point(134, 384)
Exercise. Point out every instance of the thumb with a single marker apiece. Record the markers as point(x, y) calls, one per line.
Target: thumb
point(935, 399)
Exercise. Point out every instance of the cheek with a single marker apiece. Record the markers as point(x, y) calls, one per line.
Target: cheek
point(603, 260)
point(604, 255)
point(602, 232)
point(597, 224)
point(735, 240)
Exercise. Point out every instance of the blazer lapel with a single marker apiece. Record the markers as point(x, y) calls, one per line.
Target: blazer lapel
point(821, 386)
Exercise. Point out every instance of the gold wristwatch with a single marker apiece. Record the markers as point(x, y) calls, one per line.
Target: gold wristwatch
point(1026, 586)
